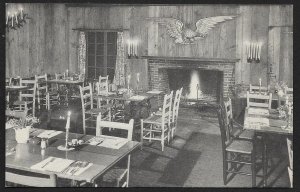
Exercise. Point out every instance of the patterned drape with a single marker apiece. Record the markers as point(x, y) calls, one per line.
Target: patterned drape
point(119, 78)
point(82, 53)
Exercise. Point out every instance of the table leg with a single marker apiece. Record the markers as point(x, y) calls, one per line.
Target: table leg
point(265, 161)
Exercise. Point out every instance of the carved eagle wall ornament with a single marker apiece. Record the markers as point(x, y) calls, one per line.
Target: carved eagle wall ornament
point(184, 35)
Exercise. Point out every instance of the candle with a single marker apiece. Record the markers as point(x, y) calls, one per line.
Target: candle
point(260, 82)
point(128, 80)
point(68, 121)
point(135, 46)
point(250, 51)
point(247, 50)
point(7, 18)
point(67, 128)
point(67, 73)
point(16, 18)
point(12, 21)
point(138, 77)
point(256, 56)
point(128, 48)
point(254, 52)
point(259, 50)
point(22, 13)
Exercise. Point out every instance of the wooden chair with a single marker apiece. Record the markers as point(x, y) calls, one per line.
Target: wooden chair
point(62, 89)
point(290, 167)
point(45, 97)
point(27, 178)
point(239, 133)
point(116, 174)
point(252, 100)
point(175, 111)
point(7, 83)
point(103, 84)
point(234, 153)
point(157, 127)
point(26, 97)
point(89, 112)
point(258, 90)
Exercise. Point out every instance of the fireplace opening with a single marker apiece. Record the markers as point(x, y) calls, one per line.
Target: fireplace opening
point(200, 86)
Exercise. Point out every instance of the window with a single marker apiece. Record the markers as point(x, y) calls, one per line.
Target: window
point(101, 54)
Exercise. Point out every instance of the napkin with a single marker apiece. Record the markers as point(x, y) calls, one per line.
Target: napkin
point(256, 122)
point(108, 141)
point(52, 164)
point(154, 92)
point(138, 97)
point(48, 134)
point(258, 111)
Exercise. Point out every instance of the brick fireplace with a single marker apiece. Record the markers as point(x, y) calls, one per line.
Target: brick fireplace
point(158, 71)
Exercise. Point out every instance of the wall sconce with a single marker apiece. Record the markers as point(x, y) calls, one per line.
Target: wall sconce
point(132, 47)
point(15, 17)
point(253, 51)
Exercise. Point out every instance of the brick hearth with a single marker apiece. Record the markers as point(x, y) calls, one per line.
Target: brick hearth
point(158, 77)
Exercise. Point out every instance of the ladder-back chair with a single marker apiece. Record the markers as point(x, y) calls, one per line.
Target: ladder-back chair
point(252, 100)
point(62, 89)
point(89, 110)
point(175, 111)
point(157, 127)
point(239, 133)
point(118, 174)
point(257, 89)
point(27, 97)
point(29, 179)
point(236, 153)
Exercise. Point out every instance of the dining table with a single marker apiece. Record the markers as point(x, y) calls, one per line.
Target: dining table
point(265, 122)
point(27, 156)
point(137, 101)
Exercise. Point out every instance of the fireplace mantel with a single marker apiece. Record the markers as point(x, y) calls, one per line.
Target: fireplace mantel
point(212, 60)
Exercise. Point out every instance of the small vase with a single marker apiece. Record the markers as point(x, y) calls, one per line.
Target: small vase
point(22, 134)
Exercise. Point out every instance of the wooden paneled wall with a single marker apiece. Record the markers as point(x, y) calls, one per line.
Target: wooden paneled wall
point(47, 42)
point(40, 46)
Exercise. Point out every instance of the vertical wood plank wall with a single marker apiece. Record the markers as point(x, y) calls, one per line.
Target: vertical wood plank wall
point(47, 43)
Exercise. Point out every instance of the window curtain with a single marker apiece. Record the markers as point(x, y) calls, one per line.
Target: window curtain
point(82, 53)
point(119, 78)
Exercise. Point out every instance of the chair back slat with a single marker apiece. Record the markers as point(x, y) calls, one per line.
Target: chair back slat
point(256, 89)
point(102, 84)
point(115, 125)
point(166, 111)
point(28, 180)
point(228, 118)
point(176, 105)
point(86, 97)
point(252, 100)
point(28, 94)
point(225, 136)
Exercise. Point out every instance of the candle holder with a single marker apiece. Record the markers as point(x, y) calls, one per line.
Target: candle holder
point(65, 147)
point(253, 51)
point(15, 20)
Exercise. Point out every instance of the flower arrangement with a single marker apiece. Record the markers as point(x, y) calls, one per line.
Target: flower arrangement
point(31, 120)
point(278, 87)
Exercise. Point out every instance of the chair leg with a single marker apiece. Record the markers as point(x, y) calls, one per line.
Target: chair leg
point(253, 167)
point(162, 141)
point(142, 128)
point(225, 168)
point(128, 168)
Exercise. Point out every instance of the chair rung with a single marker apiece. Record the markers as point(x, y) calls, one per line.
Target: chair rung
point(240, 162)
point(239, 172)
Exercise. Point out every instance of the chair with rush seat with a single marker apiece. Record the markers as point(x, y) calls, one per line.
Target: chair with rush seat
point(118, 174)
point(157, 127)
point(89, 111)
point(236, 153)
